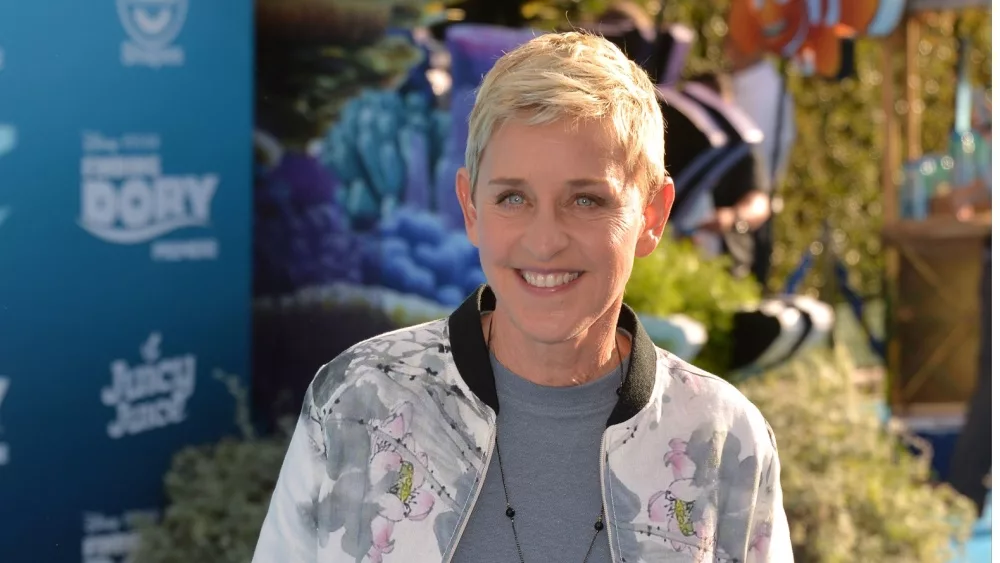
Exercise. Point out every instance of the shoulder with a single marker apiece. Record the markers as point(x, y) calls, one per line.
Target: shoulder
point(713, 400)
point(409, 352)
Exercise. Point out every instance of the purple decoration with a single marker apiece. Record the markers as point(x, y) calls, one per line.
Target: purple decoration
point(680, 38)
point(299, 179)
point(474, 50)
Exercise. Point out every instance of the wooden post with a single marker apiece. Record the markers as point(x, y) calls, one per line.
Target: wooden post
point(891, 163)
point(890, 157)
point(912, 150)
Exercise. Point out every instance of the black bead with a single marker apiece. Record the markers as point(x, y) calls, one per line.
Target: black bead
point(618, 391)
point(599, 525)
point(510, 512)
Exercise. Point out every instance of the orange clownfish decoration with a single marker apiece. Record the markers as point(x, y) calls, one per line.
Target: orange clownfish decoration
point(811, 32)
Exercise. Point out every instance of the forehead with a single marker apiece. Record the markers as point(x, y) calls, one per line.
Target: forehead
point(555, 151)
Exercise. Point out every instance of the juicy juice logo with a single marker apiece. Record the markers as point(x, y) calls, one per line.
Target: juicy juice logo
point(112, 538)
point(127, 199)
point(152, 394)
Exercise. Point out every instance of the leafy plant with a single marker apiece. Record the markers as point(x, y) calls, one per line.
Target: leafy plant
point(217, 495)
point(852, 490)
point(677, 278)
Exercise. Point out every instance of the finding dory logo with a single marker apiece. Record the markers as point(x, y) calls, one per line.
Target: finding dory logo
point(811, 32)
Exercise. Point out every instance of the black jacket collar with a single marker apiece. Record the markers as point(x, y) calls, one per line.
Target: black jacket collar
point(472, 357)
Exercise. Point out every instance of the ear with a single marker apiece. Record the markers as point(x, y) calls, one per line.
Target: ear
point(463, 189)
point(655, 216)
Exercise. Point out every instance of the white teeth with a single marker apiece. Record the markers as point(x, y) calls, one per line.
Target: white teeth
point(549, 280)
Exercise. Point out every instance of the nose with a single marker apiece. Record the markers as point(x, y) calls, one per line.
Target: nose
point(545, 236)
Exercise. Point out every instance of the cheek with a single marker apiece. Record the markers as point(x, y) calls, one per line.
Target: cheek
point(614, 243)
point(493, 237)
point(623, 231)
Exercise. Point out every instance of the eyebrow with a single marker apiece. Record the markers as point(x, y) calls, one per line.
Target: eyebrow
point(574, 183)
point(587, 182)
point(509, 182)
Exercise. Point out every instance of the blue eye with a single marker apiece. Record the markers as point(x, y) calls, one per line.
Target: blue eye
point(585, 201)
point(511, 199)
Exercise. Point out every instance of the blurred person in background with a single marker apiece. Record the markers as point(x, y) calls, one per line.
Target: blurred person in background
point(612, 449)
point(971, 463)
point(759, 89)
point(741, 201)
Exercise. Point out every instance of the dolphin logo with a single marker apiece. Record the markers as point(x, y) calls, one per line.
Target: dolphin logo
point(152, 24)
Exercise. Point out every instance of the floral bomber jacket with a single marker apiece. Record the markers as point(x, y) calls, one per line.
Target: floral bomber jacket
point(395, 436)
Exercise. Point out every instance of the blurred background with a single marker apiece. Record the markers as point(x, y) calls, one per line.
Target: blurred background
point(203, 202)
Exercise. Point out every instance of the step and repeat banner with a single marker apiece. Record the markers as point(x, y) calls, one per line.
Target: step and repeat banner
point(125, 258)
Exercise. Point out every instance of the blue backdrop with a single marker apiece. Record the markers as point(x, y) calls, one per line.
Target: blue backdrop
point(125, 221)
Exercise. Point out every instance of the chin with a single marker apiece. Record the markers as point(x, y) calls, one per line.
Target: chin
point(556, 317)
point(547, 328)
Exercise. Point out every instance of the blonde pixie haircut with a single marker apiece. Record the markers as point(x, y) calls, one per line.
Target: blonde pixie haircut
point(576, 76)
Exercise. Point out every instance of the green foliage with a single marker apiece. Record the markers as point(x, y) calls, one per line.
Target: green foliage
point(835, 167)
point(676, 278)
point(851, 491)
point(217, 496)
point(553, 15)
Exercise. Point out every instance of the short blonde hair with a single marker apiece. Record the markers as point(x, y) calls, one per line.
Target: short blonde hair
point(577, 76)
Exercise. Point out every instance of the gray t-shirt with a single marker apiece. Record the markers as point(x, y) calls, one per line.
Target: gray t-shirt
point(550, 440)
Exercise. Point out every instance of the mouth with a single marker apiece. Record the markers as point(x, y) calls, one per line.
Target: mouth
point(549, 280)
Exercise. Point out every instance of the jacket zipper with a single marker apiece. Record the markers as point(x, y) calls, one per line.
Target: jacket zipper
point(604, 498)
point(475, 498)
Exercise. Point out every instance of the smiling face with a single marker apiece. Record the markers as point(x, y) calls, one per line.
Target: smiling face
point(558, 225)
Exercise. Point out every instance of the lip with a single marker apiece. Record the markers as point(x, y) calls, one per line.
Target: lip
point(547, 290)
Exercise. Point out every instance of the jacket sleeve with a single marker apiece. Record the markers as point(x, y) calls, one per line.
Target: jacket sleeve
point(288, 534)
point(770, 540)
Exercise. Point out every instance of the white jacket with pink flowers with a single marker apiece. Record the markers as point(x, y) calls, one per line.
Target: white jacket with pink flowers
point(395, 435)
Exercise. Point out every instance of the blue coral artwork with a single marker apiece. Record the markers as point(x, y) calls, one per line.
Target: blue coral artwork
point(357, 146)
point(360, 126)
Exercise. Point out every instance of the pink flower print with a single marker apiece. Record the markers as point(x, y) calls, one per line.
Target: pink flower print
point(675, 508)
point(405, 498)
point(381, 539)
point(678, 461)
point(760, 541)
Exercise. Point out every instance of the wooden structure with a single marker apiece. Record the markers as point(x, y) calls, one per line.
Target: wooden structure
point(933, 266)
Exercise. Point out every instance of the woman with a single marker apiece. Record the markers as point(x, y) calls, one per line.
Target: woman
point(538, 422)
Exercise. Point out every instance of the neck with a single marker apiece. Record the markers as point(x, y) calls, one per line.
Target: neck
point(583, 358)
